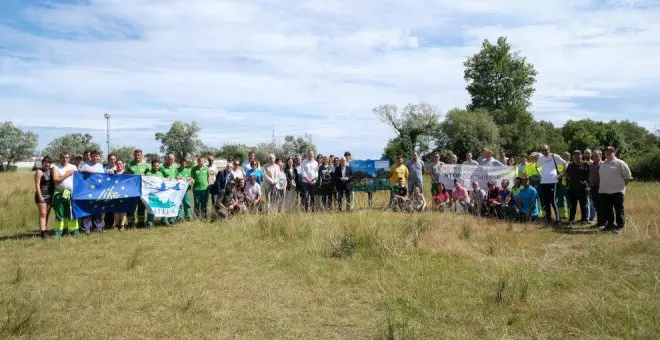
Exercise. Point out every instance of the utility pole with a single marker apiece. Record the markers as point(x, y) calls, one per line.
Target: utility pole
point(107, 131)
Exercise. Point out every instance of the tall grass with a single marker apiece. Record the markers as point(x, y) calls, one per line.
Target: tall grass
point(366, 274)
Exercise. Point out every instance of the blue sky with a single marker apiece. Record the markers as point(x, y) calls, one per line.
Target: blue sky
point(242, 69)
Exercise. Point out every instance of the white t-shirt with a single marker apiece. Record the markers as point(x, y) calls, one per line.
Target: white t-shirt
point(549, 165)
point(96, 168)
point(252, 190)
point(66, 184)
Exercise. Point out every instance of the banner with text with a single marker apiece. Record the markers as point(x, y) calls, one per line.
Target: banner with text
point(96, 193)
point(370, 175)
point(466, 174)
point(163, 196)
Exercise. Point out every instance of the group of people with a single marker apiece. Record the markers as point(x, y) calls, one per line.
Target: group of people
point(544, 183)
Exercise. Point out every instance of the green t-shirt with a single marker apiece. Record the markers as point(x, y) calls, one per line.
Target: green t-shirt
point(169, 172)
point(138, 169)
point(184, 173)
point(201, 178)
point(151, 173)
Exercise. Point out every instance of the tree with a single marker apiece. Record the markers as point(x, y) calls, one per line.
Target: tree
point(470, 131)
point(502, 82)
point(73, 143)
point(398, 146)
point(297, 145)
point(417, 126)
point(15, 144)
point(234, 151)
point(543, 132)
point(262, 150)
point(148, 157)
point(182, 139)
point(124, 153)
point(205, 150)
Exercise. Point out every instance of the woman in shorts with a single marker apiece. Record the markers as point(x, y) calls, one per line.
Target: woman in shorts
point(43, 195)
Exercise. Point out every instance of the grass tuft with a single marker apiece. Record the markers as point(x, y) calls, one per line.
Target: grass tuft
point(135, 258)
point(465, 233)
point(19, 276)
point(346, 246)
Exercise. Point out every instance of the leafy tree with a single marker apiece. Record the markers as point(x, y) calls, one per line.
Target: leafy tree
point(205, 150)
point(297, 145)
point(234, 151)
point(417, 127)
point(398, 146)
point(543, 132)
point(73, 143)
point(470, 131)
point(124, 153)
point(262, 150)
point(148, 157)
point(182, 139)
point(15, 144)
point(502, 82)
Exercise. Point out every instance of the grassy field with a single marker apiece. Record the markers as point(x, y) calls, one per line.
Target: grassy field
point(366, 274)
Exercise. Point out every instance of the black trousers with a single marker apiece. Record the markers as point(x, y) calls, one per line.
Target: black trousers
point(141, 215)
point(575, 197)
point(612, 209)
point(344, 194)
point(549, 201)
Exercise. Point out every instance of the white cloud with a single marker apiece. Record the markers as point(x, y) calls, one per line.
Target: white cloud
point(242, 69)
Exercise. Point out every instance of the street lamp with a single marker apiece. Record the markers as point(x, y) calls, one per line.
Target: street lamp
point(107, 130)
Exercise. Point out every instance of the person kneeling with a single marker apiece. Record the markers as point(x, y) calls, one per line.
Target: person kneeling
point(253, 199)
point(400, 195)
point(417, 200)
point(228, 205)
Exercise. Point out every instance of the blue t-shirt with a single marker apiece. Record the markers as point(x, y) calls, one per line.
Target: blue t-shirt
point(257, 173)
point(527, 197)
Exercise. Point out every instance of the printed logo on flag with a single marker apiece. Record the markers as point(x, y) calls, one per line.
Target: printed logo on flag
point(163, 196)
point(96, 193)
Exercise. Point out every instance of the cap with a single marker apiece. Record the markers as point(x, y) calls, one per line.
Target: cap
point(577, 152)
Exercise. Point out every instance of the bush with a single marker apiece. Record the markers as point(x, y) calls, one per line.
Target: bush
point(647, 166)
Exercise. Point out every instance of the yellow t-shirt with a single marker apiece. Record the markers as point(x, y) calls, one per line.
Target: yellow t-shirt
point(398, 171)
point(532, 169)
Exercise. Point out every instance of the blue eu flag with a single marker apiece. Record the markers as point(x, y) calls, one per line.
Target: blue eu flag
point(95, 193)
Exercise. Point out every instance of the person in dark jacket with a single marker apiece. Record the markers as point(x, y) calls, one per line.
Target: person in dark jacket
point(578, 177)
point(218, 187)
point(291, 192)
point(325, 182)
point(343, 179)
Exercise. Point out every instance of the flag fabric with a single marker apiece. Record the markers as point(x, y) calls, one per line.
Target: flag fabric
point(98, 193)
point(163, 196)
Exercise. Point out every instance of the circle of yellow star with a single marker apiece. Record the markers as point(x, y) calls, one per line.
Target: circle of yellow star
point(92, 186)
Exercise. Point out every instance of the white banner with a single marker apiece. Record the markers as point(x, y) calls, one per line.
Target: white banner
point(163, 196)
point(466, 174)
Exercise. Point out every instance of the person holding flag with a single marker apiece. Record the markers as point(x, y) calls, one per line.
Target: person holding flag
point(154, 172)
point(62, 177)
point(137, 167)
point(200, 177)
point(184, 173)
point(169, 170)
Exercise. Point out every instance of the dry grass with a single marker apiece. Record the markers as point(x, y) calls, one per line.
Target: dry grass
point(358, 275)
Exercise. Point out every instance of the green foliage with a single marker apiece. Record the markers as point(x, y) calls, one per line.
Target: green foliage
point(542, 132)
point(630, 139)
point(297, 145)
point(182, 139)
point(502, 82)
point(234, 151)
point(148, 157)
point(73, 143)
point(417, 127)
point(398, 146)
point(646, 166)
point(470, 131)
point(124, 153)
point(16, 144)
point(205, 150)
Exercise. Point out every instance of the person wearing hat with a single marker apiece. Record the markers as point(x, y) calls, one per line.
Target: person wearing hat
point(577, 174)
point(614, 176)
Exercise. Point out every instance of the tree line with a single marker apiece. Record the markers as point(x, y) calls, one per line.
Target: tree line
point(500, 84)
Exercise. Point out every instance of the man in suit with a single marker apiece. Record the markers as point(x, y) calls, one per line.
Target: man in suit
point(343, 178)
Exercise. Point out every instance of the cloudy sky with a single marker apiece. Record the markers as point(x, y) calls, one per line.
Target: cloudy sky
point(242, 69)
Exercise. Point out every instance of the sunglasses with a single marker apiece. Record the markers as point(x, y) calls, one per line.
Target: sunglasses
point(544, 150)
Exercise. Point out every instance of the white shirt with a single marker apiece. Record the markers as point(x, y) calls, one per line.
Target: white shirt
point(310, 170)
point(548, 165)
point(96, 168)
point(252, 191)
point(66, 184)
point(212, 173)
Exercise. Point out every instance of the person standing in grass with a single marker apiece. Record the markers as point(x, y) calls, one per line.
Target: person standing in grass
point(528, 202)
point(154, 172)
point(562, 187)
point(43, 194)
point(200, 177)
point(291, 194)
point(310, 175)
point(62, 177)
point(110, 169)
point(213, 173)
point(93, 166)
point(614, 176)
point(119, 219)
point(137, 167)
point(594, 184)
point(343, 180)
point(256, 171)
point(271, 177)
point(416, 172)
point(170, 171)
point(577, 174)
point(398, 171)
point(436, 172)
point(184, 173)
point(549, 166)
point(469, 160)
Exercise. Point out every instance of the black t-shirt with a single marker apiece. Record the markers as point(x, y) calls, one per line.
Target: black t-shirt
point(577, 176)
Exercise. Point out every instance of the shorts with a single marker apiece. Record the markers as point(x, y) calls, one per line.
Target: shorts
point(48, 199)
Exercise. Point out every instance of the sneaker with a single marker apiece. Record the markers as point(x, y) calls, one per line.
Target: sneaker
point(121, 228)
point(606, 228)
point(58, 234)
point(617, 230)
point(43, 234)
point(74, 232)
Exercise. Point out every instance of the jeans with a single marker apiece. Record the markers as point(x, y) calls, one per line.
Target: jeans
point(595, 201)
point(575, 197)
point(308, 196)
point(549, 201)
point(612, 205)
point(93, 220)
point(591, 204)
point(561, 201)
point(412, 183)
